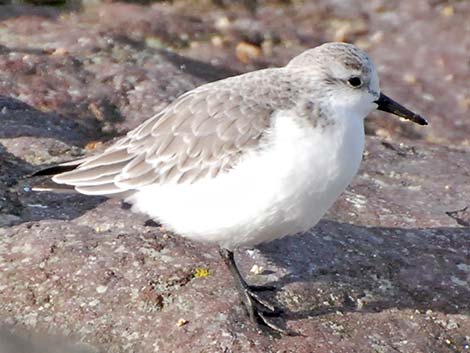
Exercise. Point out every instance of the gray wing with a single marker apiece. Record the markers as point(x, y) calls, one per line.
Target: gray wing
point(200, 135)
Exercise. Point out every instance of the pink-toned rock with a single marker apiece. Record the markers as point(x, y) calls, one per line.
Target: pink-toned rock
point(388, 268)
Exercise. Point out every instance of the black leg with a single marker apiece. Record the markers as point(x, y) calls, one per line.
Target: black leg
point(258, 308)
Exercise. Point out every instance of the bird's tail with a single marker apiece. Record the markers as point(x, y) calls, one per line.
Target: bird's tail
point(56, 179)
point(47, 184)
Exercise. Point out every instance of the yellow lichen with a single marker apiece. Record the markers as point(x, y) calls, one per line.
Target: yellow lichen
point(201, 272)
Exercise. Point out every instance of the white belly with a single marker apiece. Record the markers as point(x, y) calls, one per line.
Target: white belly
point(283, 190)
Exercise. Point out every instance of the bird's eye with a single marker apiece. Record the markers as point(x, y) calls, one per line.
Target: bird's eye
point(355, 82)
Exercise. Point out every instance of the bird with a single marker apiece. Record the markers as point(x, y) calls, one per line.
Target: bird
point(246, 159)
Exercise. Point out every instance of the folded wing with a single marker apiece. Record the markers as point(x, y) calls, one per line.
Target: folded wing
point(203, 133)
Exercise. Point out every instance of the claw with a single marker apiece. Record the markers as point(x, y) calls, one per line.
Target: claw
point(276, 328)
point(262, 302)
point(261, 288)
point(259, 309)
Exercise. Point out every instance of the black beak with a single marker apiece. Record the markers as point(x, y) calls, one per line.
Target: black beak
point(389, 105)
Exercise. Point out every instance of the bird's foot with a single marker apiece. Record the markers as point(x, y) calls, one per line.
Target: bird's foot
point(261, 311)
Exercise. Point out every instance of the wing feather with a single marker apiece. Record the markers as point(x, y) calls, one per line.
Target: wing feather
point(203, 133)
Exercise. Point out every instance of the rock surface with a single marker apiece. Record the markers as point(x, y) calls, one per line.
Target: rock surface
point(387, 270)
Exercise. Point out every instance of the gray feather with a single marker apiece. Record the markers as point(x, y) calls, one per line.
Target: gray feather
point(203, 133)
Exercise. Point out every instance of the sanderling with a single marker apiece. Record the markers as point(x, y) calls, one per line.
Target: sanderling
point(247, 159)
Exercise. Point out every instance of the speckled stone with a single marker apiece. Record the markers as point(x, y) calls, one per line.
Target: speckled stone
point(387, 270)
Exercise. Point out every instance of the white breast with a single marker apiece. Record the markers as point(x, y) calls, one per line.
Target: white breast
point(285, 189)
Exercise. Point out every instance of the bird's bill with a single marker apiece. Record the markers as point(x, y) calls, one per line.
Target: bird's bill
point(387, 104)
